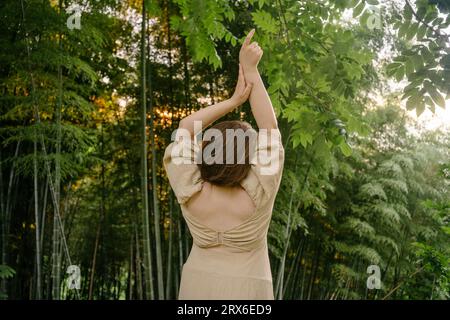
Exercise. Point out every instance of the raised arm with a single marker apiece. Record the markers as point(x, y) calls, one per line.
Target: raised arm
point(210, 114)
point(262, 109)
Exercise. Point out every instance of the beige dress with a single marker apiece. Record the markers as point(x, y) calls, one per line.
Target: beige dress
point(233, 263)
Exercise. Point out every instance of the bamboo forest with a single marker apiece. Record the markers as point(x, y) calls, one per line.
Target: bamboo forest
point(92, 90)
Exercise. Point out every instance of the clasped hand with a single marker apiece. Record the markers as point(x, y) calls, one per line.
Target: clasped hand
point(249, 57)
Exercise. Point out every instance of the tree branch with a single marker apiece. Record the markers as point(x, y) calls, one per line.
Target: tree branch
point(420, 20)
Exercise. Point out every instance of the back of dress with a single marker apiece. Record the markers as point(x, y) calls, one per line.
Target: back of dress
point(232, 263)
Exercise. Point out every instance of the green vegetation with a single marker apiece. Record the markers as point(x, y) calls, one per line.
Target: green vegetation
point(85, 115)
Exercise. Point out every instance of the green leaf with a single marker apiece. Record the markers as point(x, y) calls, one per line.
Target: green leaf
point(343, 4)
point(392, 68)
point(407, 12)
point(435, 95)
point(400, 73)
point(6, 272)
point(295, 141)
point(417, 61)
point(413, 101)
point(412, 30)
point(421, 32)
point(427, 55)
point(428, 101)
point(420, 109)
point(265, 21)
point(372, 2)
point(358, 9)
point(345, 149)
point(364, 17)
point(175, 22)
point(305, 139)
point(409, 67)
point(327, 65)
point(407, 94)
point(403, 29)
point(321, 148)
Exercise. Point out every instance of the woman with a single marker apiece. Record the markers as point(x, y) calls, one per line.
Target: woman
point(228, 205)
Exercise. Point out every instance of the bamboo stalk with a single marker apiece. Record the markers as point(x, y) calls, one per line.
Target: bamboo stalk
point(130, 268)
point(156, 212)
point(36, 217)
point(144, 178)
point(43, 214)
point(169, 251)
point(138, 265)
point(7, 215)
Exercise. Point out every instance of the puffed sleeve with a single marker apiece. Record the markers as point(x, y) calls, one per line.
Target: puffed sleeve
point(181, 168)
point(264, 177)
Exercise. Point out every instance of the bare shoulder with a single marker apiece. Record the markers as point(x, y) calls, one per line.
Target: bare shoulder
point(197, 197)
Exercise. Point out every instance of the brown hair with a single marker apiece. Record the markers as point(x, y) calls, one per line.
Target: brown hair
point(224, 174)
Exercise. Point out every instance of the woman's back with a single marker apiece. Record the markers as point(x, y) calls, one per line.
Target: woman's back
point(221, 208)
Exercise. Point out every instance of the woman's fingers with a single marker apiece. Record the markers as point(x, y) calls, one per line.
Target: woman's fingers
point(241, 79)
point(241, 84)
point(241, 74)
point(249, 37)
point(255, 47)
point(247, 91)
point(250, 52)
